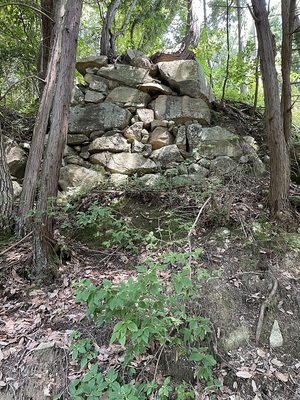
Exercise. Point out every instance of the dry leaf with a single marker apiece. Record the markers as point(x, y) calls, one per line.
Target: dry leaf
point(2, 383)
point(261, 353)
point(282, 377)
point(244, 374)
point(276, 362)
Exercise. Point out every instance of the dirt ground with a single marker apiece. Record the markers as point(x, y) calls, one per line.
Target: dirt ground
point(259, 283)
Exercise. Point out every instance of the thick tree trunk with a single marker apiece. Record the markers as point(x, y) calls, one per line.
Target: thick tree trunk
point(279, 148)
point(28, 195)
point(43, 235)
point(6, 193)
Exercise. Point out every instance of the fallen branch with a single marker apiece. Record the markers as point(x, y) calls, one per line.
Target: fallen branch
point(263, 307)
point(15, 244)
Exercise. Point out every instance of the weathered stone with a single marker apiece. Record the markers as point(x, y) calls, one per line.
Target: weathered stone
point(160, 137)
point(125, 74)
point(129, 97)
point(76, 139)
point(96, 134)
point(137, 59)
point(15, 156)
point(155, 87)
point(94, 97)
point(276, 339)
point(114, 144)
point(134, 132)
point(198, 169)
point(99, 83)
point(118, 179)
point(145, 136)
point(95, 117)
point(167, 156)
point(146, 116)
point(100, 158)
point(153, 180)
point(186, 77)
point(90, 62)
point(77, 160)
point(74, 176)
point(77, 96)
point(223, 165)
point(138, 147)
point(17, 190)
point(181, 109)
point(215, 133)
point(180, 139)
point(130, 163)
point(193, 135)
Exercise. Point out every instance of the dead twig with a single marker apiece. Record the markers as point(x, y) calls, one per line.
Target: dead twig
point(263, 307)
point(16, 244)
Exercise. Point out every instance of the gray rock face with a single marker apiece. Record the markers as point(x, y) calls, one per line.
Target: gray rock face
point(90, 62)
point(181, 109)
point(115, 144)
point(72, 176)
point(129, 97)
point(96, 117)
point(124, 163)
point(15, 156)
point(167, 156)
point(160, 137)
point(276, 339)
point(125, 75)
point(186, 77)
point(217, 141)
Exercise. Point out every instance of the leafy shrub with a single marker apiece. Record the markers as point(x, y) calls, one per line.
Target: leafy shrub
point(153, 310)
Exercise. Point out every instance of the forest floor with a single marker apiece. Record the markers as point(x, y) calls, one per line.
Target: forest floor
point(258, 282)
point(259, 264)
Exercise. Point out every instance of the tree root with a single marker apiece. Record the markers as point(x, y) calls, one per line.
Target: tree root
point(263, 307)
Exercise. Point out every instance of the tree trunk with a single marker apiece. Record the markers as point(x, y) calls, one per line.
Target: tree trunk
point(6, 193)
point(105, 44)
point(44, 251)
point(192, 34)
point(279, 149)
point(288, 17)
point(28, 195)
point(47, 25)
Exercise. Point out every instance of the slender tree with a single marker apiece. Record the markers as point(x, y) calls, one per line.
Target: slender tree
point(6, 193)
point(44, 250)
point(277, 141)
point(28, 195)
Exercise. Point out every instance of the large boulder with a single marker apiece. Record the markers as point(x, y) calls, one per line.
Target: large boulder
point(187, 78)
point(124, 163)
point(181, 109)
point(125, 74)
point(129, 97)
point(74, 176)
point(114, 144)
point(160, 137)
point(90, 62)
point(96, 117)
point(217, 141)
point(15, 156)
point(167, 156)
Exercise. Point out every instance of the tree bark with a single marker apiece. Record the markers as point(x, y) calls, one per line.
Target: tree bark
point(279, 148)
point(6, 193)
point(192, 34)
point(28, 195)
point(44, 251)
point(47, 25)
point(288, 17)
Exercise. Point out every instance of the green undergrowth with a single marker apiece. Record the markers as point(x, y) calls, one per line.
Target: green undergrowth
point(153, 316)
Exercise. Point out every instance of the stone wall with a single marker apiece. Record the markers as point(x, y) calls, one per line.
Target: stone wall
point(146, 120)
